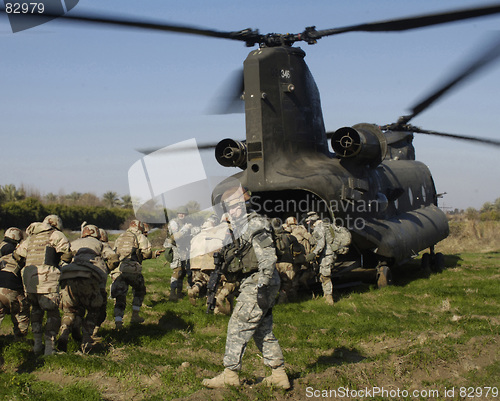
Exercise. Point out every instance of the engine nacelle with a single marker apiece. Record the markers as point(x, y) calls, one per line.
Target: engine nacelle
point(231, 153)
point(363, 143)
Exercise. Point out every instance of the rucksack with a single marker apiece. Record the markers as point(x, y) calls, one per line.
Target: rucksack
point(337, 237)
point(288, 248)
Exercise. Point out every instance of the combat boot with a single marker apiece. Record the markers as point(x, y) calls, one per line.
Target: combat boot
point(278, 378)
point(62, 341)
point(49, 345)
point(329, 299)
point(193, 293)
point(227, 378)
point(118, 324)
point(38, 346)
point(87, 342)
point(136, 318)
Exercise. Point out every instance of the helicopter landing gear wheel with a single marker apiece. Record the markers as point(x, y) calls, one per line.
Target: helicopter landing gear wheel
point(384, 276)
point(425, 263)
point(437, 264)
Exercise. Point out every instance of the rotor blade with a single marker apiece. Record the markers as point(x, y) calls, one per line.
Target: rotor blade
point(483, 59)
point(246, 35)
point(485, 141)
point(205, 146)
point(404, 24)
point(230, 101)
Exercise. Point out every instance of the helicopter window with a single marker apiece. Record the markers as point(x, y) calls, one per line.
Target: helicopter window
point(424, 197)
point(410, 195)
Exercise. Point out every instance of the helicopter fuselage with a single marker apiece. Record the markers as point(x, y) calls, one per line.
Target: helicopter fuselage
point(370, 184)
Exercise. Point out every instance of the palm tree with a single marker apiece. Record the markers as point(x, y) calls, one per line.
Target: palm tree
point(9, 193)
point(127, 202)
point(111, 199)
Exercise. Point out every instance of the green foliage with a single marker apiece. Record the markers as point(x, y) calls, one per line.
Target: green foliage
point(22, 213)
point(422, 332)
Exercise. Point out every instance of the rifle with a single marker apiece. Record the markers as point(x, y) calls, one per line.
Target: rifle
point(214, 281)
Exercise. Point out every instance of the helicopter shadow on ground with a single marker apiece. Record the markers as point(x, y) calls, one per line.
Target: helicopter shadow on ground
point(412, 271)
point(366, 281)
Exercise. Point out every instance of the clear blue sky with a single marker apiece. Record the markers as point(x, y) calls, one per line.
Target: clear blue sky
point(76, 101)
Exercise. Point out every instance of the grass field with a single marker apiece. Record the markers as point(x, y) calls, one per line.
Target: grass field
point(421, 338)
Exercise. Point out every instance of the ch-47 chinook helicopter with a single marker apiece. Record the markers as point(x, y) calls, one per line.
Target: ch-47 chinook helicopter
point(370, 183)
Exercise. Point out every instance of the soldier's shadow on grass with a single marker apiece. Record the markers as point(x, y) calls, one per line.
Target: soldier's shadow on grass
point(337, 357)
point(135, 333)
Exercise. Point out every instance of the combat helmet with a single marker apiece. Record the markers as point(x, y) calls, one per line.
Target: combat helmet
point(311, 217)
point(91, 231)
point(137, 224)
point(103, 235)
point(54, 220)
point(183, 210)
point(14, 234)
point(291, 220)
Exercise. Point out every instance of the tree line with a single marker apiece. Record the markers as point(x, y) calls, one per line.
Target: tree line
point(490, 211)
point(19, 207)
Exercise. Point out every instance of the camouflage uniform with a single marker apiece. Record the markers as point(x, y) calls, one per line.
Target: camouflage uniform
point(112, 263)
point(255, 265)
point(12, 298)
point(132, 247)
point(42, 250)
point(305, 274)
point(180, 232)
point(203, 246)
point(325, 255)
point(81, 284)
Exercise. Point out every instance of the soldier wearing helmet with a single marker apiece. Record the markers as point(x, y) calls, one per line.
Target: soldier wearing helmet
point(44, 251)
point(12, 298)
point(178, 243)
point(132, 247)
point(81, 282)
point(12, 238)
point(322, 253)
point(251, 260)
point(111, 264)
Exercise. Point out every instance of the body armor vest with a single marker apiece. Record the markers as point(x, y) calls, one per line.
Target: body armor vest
point(127, 245)
point(37, 251)
point(127, 248)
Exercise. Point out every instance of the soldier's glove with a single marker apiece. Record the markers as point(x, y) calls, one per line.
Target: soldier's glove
point(311, 257)
point(169, 255)
point(263, 297)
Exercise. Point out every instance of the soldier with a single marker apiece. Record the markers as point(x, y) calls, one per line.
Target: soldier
point(250, 259)
point(132, 248)
point(306, 273)
point(12, 238)
point(291, 255)
point(323, 253)
point(111, 264)
point(81, 283)
point(203, 245)
point(12, 298)
point(180, 232)
point(44, 249)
